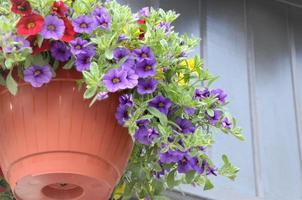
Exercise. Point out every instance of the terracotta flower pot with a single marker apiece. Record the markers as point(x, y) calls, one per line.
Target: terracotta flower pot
point(53, 146)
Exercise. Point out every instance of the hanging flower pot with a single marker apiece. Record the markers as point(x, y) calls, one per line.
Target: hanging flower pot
point(53, 146)
point(141, 94)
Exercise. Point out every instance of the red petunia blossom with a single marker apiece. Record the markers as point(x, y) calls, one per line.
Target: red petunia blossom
point(21, 7)
point(69, 33)
point(59, 8)
point(142, 34)
point(141, 21)
point(30, 24)
point(35, 47)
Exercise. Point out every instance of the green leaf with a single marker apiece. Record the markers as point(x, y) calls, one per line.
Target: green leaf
point(210, 112)
point(171, 179)
point(11, 84)
point(40, 40)
point(190, 176)
point(90, 92)
point(228, 170)
point(208, 185)
point(109, 54)
point(162, 117)
point(69, 64)
point(2, 80)
point(160, 198)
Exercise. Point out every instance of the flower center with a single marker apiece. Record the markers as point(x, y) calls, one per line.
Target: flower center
point(144, 55)
point(161, 104)
point(21, 8)
point(31, 25)
point(87, 60)
point(104, 24)
point(37, 72)
point(51, 27)
point(78, 47)
point(116, 80)
point(83, 25)
point(148, 68)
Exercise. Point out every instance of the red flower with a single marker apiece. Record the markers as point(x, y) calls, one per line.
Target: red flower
point(141, 21)
point(35, 47)
point(30, 24)
point(59, 8)
point(69, 33)
point(21, 7)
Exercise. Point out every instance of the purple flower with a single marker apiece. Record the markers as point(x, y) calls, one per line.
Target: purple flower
point(146, 135)
point(146, 68)
point(186, 164)
point(161, 103)
point(78, 46)
point(83, 24)
point(37, 75)
point(53, 28)
point(132, 78)
point(211, 170)
point(126, 100)
point(202, 94)
point(165, 69)
point(115, 80)
point(19, 45)
point(60, 51)
point(197, 167)
point(170, 156)
point(215, 118)
point(144, 12)
point(120, 53)
point(144, 53)
point(143, 123)
point(146, 86)
point(83, 61)
point(123, 37)
point(102, 95)
point(220, 95)
point(102, 18)
point(166, 26)
point(122, 114)
point(185, 126)
point(190, 111)
point(226, 123)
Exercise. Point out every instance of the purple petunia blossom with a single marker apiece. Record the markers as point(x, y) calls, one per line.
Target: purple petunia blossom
point(202, 94)
point(161, 103)
point(220, 95)
point(120, 53)
point(37, 75)
point(19, 45)
point(83, 24)
point(83, 61)
point(185, 125)
point(122, 114)
point(186, 164)
point(190, 111)
point(143, 123)
point(115, 80)
point(78, 46)
point(144, 12)
point(146, 68)
point(214, 119)
point(197, 167)
point(126, 100)
point(123, 37)
point(170, 156)
point(144, 53)
point(211, 170)
point(102, 96)
point(146, 135)
point(53, 28)
point(102, 18)
point(59, 51)
point(166, 26)
point(132, 78)
point(146, 86)
point(226, 123)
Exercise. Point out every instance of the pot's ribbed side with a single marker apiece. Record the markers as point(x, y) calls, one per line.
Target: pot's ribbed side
point(52, 131)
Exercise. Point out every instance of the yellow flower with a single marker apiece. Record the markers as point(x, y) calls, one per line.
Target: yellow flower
point(118, 193)
point(190, 63)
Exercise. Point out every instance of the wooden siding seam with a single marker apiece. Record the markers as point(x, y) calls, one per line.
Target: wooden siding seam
point(294, 78)
point(253, 104)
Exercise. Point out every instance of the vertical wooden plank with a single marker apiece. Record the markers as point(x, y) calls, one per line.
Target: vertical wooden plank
point(227, 57)
point(295, 32)
point(274, 93)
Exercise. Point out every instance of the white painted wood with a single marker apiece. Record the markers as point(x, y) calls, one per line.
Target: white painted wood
point(274, 93)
